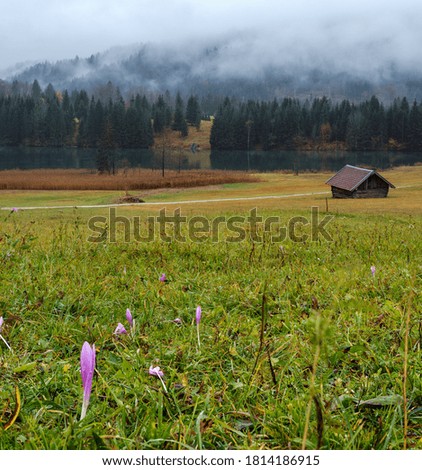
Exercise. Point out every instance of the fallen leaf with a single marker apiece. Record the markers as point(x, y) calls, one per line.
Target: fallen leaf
point(385, 400)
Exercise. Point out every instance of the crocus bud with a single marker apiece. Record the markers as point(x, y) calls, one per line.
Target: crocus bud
point(198, 314)
point(87, 373)
point(129, 317)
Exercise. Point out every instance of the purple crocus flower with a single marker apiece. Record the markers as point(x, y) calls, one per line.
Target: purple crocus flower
point(120, 330)
point(1, 323)
point(163, 278)
point(373, 270)
point(198, 320)
point(156, 371)
point(14, 209)
point(198, 314)
point(178, 321)
point(129, 317)
point(87, 373)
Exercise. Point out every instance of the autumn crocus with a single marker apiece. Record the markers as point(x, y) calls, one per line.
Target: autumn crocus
point(87, 373)
point(1, 326)
point(373, 270)
point(129, 317)
point(163, 278)
point(198, 321)
point(120, 330)
point(157, 372)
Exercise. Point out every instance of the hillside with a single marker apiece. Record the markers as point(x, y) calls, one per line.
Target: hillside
point(200, 137)
point(217, 70)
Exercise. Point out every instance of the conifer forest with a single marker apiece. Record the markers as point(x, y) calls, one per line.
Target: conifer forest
point(32, 116)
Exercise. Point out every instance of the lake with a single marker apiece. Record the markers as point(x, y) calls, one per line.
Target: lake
point(39, 157)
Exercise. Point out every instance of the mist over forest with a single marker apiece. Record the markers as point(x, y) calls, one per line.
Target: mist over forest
point(234, 66)
point(331, 77)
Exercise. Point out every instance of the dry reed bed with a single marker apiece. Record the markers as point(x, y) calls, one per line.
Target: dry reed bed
point(133, 179)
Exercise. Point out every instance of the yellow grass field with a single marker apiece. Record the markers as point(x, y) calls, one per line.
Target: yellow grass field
point(201, 137)
point(272, 191)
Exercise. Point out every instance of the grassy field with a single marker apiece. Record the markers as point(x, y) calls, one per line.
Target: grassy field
point(407, 199)
point(301, 344)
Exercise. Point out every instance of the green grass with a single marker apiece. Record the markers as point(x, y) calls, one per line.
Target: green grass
point(57, 198)
point(285, 330)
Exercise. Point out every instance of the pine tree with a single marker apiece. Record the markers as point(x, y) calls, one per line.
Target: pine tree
point(358, 135)
point(375, 116)
point(145, 128)
point(179, 121)
point(340, 119)
point(160, 115)
point(222, 130)
point(54, 125)
point(106, 150)
point(117, 116)
point(68, 115)
point(132, 128)
point(398, 120)
point(193, 112)
point(415, 127)
point(36, 91)
point(95, 123)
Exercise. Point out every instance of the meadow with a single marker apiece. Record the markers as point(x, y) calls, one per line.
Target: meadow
point(304, 341)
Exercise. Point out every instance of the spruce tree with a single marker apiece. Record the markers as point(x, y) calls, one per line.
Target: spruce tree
point(36, 91)
point(193, 112)
point(179, 121)
point(106, 150)
point(160, 114)
point(415, 128)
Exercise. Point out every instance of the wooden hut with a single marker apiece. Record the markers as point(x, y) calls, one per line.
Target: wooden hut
point(354, 182)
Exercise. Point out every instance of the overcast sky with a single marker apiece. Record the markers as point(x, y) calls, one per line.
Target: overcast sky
point(352, 33)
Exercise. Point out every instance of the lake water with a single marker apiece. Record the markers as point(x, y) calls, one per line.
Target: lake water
point(31, 158)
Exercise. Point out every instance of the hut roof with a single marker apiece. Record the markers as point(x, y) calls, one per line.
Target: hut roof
point(350, 177)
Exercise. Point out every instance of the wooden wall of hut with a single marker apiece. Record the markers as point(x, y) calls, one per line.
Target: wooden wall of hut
point(373, 187)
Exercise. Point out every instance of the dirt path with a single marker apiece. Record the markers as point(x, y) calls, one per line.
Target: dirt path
point(168, 203)
point(173, 203)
